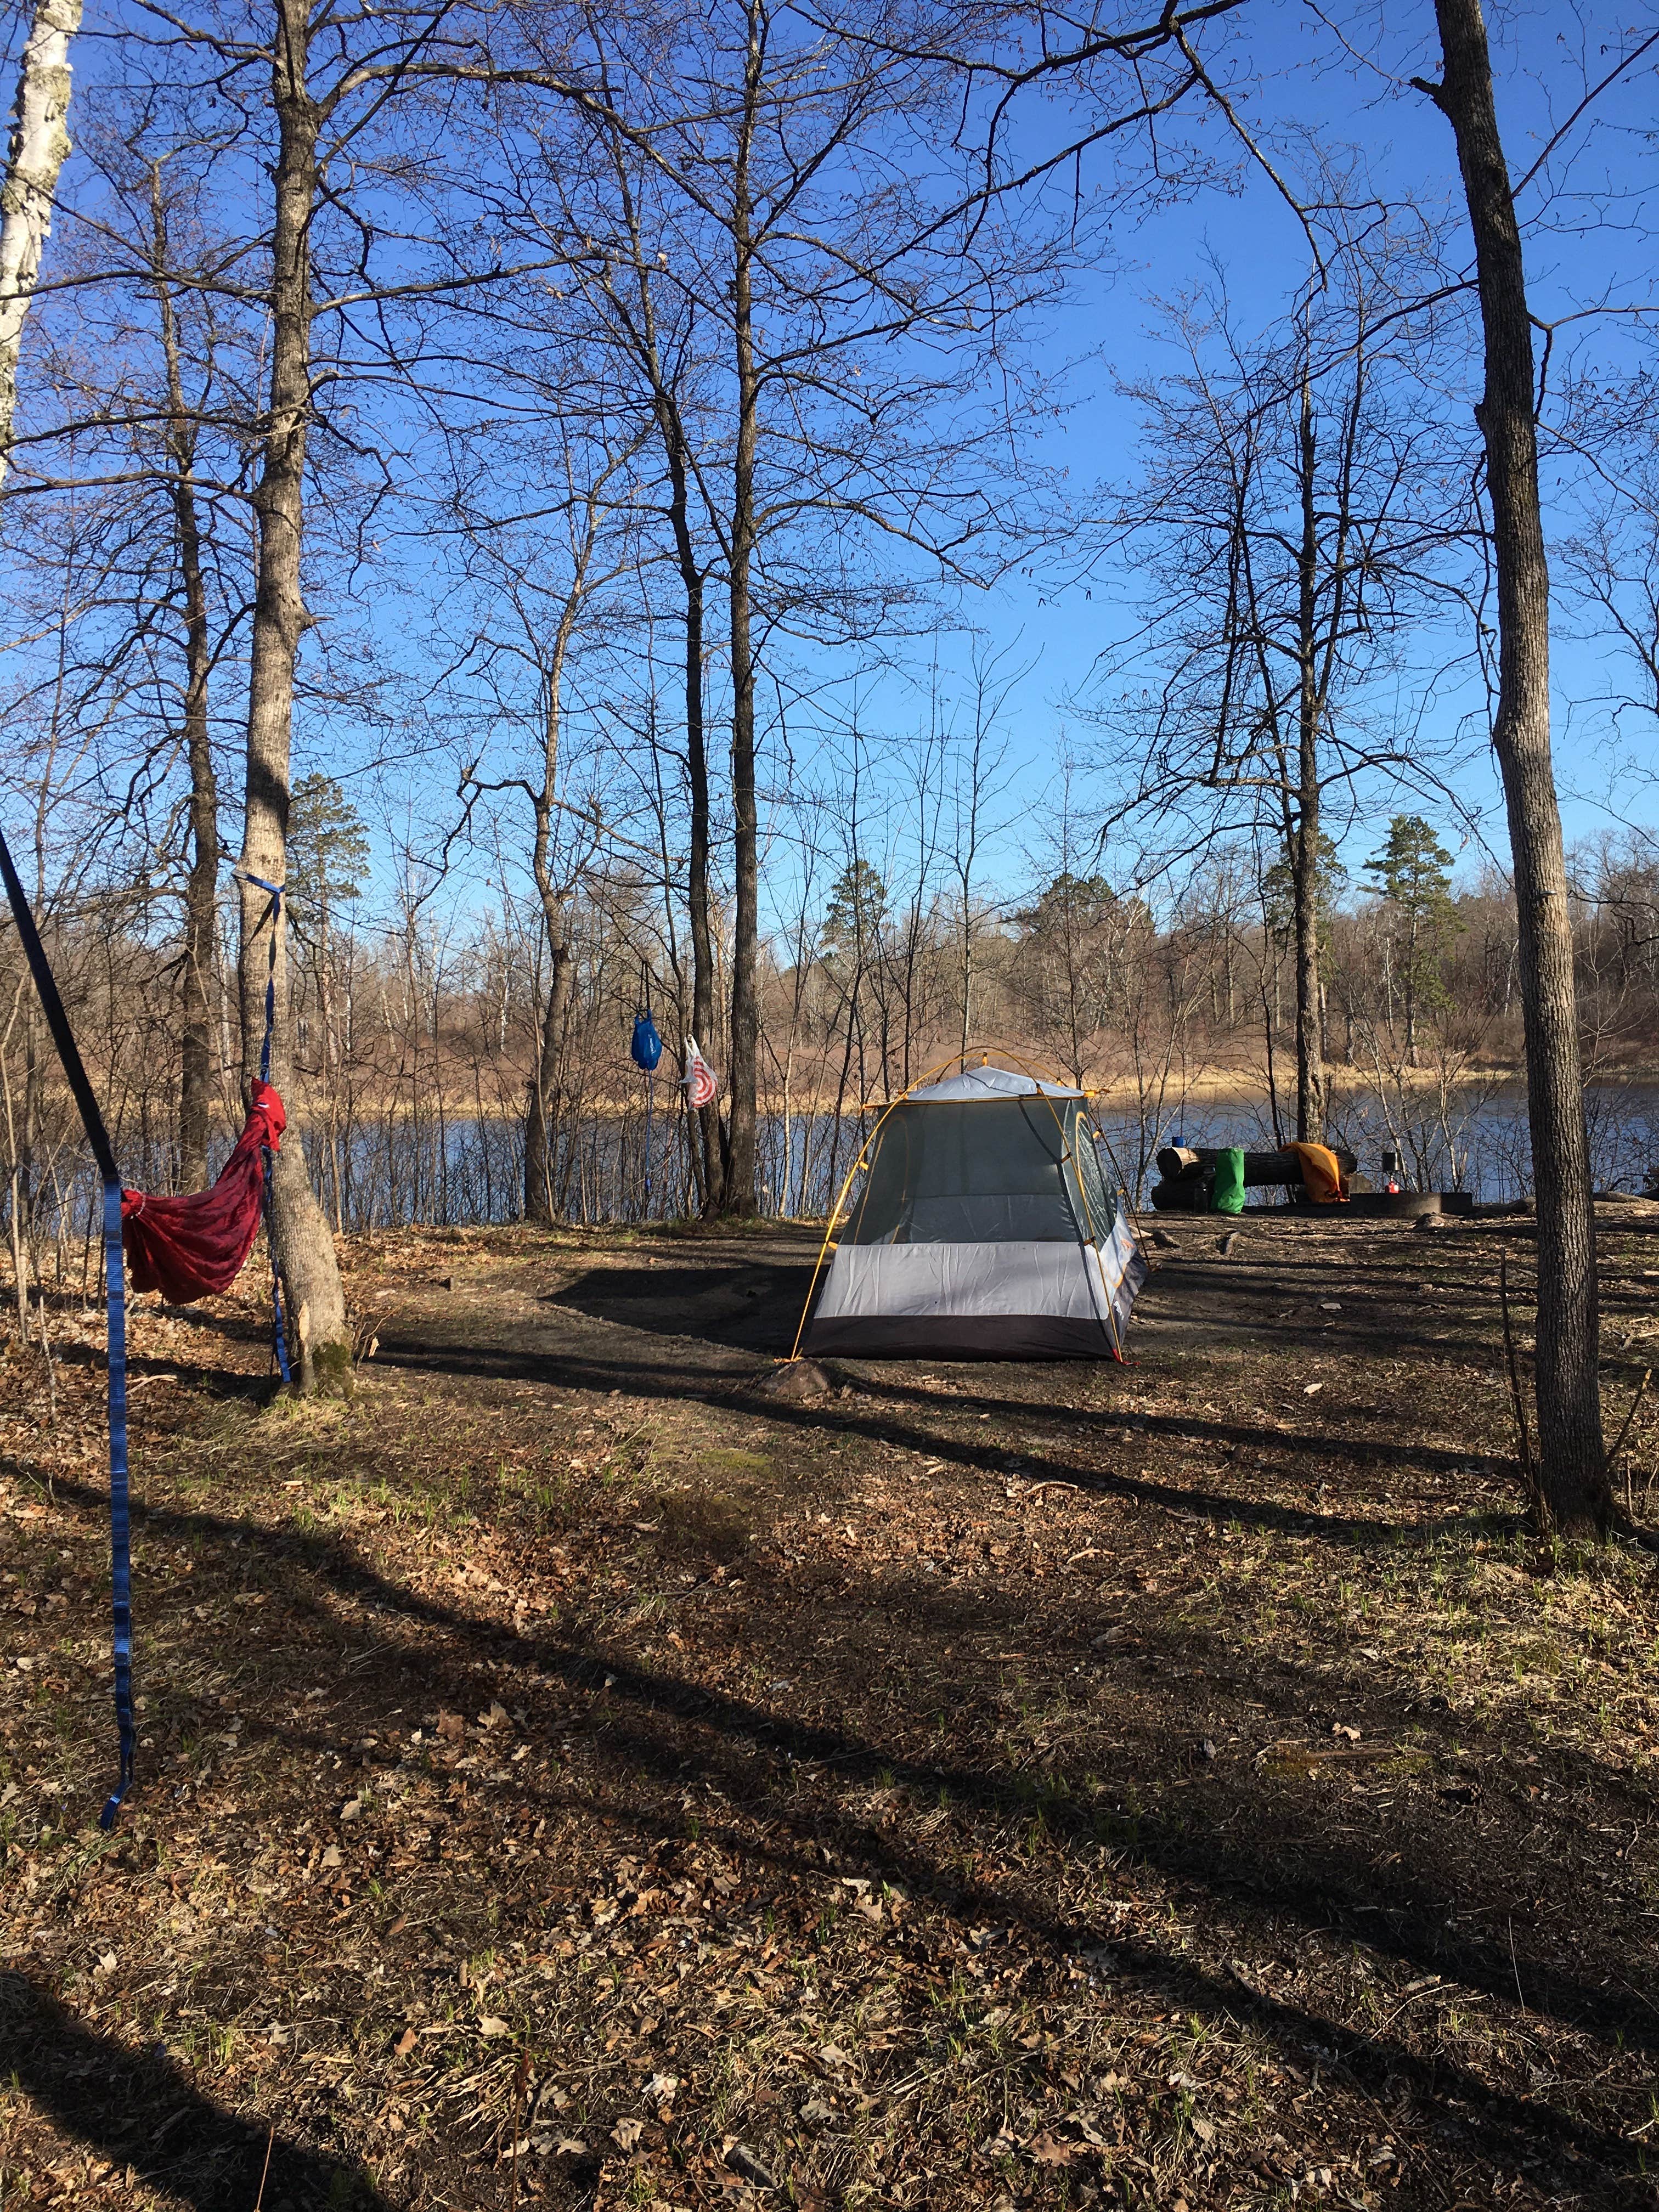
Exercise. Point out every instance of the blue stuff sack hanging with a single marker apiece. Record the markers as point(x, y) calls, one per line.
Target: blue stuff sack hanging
point(647, 1047)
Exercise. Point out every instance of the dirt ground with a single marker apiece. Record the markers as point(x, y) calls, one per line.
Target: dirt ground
point(571, 1777)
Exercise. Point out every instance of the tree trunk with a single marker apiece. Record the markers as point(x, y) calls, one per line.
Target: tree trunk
point(1573, 1470)
point(542, 1200)
point(706, 1137)
point(304, 1248)
point(200, 966)
point(705, 1120)
point(738, 1197)
point(542, 1124)
point(1304, 853)
point(199, 977)
point(39, 146)
point(1409, 985)
point(331, 1094)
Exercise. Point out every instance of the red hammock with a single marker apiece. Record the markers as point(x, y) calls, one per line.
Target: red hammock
point(187, 1247)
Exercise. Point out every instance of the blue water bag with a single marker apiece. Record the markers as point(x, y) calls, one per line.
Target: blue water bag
point(646, 1046)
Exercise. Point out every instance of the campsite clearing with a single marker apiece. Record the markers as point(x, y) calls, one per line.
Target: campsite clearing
point(571, 1777)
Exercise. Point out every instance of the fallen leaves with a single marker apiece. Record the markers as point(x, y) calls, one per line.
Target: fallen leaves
point(1046, 2150)
point(680, 1958)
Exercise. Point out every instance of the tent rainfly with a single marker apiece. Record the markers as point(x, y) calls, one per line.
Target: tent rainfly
point(984, 1227)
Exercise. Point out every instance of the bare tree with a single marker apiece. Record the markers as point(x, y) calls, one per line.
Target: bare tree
point(1292, 519)
point(551, 607)
point(980, 779)
point(841, 446)
point(325, 79)
point(135, 424)
point(1573, 1471)
point(199, 962)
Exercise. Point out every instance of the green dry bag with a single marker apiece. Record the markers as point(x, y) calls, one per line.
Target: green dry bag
point(1228, 1194)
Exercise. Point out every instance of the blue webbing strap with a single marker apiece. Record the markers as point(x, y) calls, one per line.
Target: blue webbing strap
point(650, 1090)
point(120, 1530)
point(278, 1333)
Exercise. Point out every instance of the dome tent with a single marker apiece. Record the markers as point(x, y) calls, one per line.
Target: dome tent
point(984, 1227)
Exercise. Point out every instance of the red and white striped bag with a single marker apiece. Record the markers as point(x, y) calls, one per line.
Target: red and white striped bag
point(700, 1083)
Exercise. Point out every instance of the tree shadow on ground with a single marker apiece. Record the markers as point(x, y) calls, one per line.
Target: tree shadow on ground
point(756, 1307)
point(138, 2109)
point(1324, 1881)
point(649, 1725)
point(699, 1381)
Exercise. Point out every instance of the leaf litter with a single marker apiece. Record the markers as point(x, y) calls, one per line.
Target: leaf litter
point(1258, 1818)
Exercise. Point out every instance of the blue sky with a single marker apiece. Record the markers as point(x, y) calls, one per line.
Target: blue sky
point(1291, 72)
point(1595, 244)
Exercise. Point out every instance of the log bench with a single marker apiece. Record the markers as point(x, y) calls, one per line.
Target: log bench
point(1189, 1173)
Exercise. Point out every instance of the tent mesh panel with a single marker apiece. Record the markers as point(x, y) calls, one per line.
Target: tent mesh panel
point(979, 1172)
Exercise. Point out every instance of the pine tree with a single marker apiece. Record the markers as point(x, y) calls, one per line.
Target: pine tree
point(852, 922)
point(1413, 874)
point(327, 849)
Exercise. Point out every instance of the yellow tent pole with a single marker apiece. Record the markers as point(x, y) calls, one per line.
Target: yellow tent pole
point(834, 1216)
point(1123, 1189)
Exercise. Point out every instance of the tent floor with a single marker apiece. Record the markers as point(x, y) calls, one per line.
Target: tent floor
point(976, 1336)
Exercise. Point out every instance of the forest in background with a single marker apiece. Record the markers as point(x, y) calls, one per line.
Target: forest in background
point(554, 495)
point(417, 1034)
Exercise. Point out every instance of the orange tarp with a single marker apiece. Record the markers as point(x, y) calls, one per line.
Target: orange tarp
point(1321, 1176)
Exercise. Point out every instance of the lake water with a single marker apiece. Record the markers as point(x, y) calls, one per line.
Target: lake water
point(396, 1171)
point(1478, 1141)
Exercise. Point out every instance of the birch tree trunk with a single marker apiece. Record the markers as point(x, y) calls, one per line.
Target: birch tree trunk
point(39, 147)
point(305, 1249)
point(1573, 1471)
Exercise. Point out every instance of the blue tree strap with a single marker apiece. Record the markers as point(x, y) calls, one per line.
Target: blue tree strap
point(92, 1119)
point(276, 891)
point(278, 1332)
point(650, 1085)
point(120, 1521)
